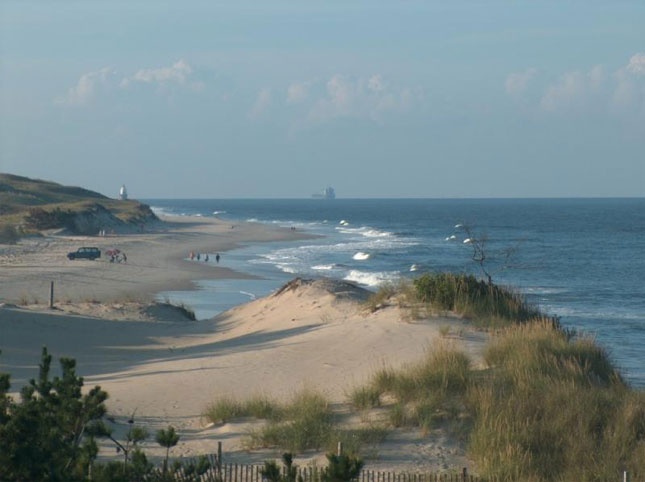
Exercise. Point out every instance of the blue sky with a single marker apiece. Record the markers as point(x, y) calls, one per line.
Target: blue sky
point(278, 99)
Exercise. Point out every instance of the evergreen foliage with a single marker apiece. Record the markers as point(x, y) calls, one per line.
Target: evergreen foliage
point(45, 436)
point(342, 468)
point(167, 438)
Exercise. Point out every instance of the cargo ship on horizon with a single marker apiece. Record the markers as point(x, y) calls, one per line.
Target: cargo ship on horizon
point(327, 193)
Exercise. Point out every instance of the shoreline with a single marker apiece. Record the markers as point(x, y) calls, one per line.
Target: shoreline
point(157, 261)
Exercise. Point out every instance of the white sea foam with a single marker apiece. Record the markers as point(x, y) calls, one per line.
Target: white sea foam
point(360, 256)
point(371, 279)
point(287, 268)
point(451, 238)
point(414, 267)
point(468, 241)
point(165, 212)
point(217, 213)
point(250, 295)
point(364, 231)
point(541, 290)
point(323, 267)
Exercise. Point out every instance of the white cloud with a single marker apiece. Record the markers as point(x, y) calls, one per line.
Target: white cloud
point(177, 73)
point(628, 96)
point(88, 86)
point(297, 92)
point(574, 90)
point(262, 103)
point(342, 93)
point(636, 64)
point(98, 83)
point(619, 93)
point(368, 98)
point(376, 83)
point(517, 82)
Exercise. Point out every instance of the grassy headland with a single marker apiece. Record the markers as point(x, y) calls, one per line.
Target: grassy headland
point(28, 206)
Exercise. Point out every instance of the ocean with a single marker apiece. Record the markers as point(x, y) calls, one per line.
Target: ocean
point(582, 260)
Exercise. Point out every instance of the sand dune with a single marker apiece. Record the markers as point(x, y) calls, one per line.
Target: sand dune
point(167, 370)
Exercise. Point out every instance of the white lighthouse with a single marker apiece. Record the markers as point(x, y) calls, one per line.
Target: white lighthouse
point(123, 193)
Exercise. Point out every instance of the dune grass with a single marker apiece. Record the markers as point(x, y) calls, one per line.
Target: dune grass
point(555, 408)
point(423, 395)
point(486, 305)
point(549, 406)
point(226, 409)
point(305, 422)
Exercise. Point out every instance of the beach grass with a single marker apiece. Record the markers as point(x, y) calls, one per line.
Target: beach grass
point(365, 397)
point(547, 405)
point(229, 408)
point(305, 422)
point(484, 304)
point(554, 408)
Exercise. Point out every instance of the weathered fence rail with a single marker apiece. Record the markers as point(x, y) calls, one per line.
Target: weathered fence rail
point(253, 473)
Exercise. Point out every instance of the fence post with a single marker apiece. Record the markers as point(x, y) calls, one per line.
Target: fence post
point(340, 449)
point(51, 295)
point(625, 476)
point(464, 474)
point(219, 460)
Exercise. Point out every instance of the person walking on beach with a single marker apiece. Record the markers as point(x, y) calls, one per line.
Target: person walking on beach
point(206, 259)
point(217, 257)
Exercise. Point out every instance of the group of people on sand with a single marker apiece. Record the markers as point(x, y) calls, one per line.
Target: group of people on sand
point(198, 257)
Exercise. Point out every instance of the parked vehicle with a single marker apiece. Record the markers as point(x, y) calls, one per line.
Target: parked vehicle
point(85, 253)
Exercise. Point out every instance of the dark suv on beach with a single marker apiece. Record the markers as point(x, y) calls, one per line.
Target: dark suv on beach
point(85, 253)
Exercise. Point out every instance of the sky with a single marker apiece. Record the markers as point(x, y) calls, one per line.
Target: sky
point(279, 99)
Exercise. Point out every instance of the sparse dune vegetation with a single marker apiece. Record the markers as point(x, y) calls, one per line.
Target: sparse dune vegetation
point(548, 405)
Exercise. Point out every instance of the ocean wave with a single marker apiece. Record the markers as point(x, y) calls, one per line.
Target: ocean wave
point(161, 211)
point(371, 279)
point(217, 213)
point(365, 231)
point(288, 268)
point(323, 267)
point(360, 256)
point(543, 290)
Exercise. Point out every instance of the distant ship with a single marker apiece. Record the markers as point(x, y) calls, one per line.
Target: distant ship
point(327, 193)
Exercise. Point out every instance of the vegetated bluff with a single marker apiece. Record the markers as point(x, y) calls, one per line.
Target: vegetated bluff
point(33, 205)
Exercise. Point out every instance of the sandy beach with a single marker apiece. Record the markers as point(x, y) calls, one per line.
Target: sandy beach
point(166, 370)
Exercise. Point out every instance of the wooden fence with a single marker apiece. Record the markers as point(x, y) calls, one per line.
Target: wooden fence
point(220, 472)
point(253, 473)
